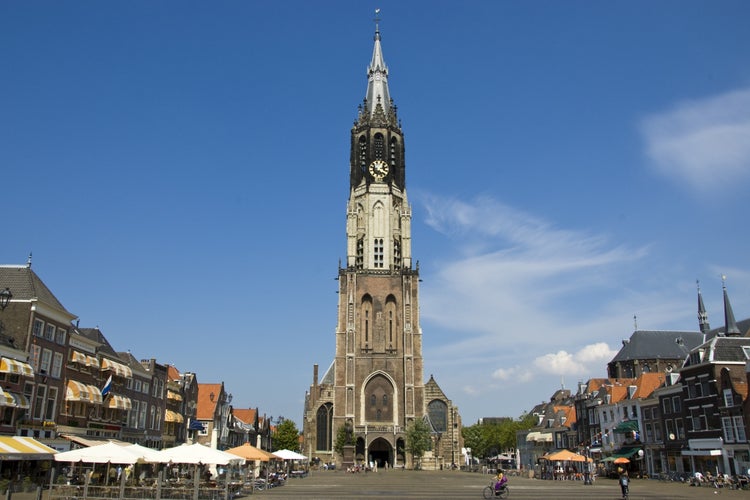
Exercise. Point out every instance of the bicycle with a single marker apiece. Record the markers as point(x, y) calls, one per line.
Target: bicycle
point(490, 492)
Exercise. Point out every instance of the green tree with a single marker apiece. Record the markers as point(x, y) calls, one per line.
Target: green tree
point(418, 439)
point(286, 436)
point(344, 437)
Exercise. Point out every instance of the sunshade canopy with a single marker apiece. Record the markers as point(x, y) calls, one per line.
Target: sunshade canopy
point(250, 452)
point(24, 448)
point(565, 455)
point(100, 454)
point(147, 454)
point(289, 455)
point(198, 454)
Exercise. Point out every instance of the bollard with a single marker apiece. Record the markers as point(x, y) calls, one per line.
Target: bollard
point(9, 492)
point(38, 493)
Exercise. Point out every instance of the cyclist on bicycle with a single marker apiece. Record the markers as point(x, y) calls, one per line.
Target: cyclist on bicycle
point(500, 481)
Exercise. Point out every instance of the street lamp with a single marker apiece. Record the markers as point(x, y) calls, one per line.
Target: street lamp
point(5, 297)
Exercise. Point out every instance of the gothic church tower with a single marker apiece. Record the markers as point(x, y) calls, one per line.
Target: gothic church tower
point(375, 386)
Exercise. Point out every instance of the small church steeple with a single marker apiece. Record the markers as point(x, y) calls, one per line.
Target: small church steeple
point(730, 325)
point(702, 314)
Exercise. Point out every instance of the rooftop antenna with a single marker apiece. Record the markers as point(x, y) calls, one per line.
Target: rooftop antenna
point(635, 322)
point(28, 261)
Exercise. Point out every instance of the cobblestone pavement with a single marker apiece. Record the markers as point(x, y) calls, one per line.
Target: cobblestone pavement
point(463, 485)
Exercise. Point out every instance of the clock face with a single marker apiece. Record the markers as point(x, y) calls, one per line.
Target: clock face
point(379, 169)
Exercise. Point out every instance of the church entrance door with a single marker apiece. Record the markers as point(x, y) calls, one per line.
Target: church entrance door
point(381, 452)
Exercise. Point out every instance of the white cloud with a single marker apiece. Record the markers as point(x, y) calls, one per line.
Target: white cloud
point(704, 143)
point(587, 360)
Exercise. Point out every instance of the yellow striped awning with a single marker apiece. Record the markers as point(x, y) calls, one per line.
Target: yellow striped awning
point(119, 402)
point(117, 368)
point(173, 416)
point(174, 395)
point(6, 399)
point(10, 365)
point(24, 448)
point(83, 359)
point(20, 400)
point(78, 391)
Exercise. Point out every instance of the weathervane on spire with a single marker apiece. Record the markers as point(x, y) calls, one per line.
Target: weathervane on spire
point(377, 20)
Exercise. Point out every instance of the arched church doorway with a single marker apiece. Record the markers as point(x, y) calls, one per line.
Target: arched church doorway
point(381, 452)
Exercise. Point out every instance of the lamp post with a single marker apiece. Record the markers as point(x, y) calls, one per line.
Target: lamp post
point(5, 297)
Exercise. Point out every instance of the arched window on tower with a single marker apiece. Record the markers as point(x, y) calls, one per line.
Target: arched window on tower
point(379, 147)
point(324, 424)
point(394, 152)
point(359, 262)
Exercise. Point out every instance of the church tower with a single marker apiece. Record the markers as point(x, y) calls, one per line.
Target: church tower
point(375, 386)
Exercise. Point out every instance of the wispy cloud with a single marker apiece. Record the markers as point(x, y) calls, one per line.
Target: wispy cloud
point(533, 302)
point(704, 143)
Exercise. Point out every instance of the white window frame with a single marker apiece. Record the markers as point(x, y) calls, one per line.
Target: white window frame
point(728, 428)
point(46, 362)
point(49, 332)
point(38, 330)
point(739, 429)
point(57, 362)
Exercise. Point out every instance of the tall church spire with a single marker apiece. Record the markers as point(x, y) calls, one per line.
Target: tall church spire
point(730, 325)
point(377, 78)
point(702, 314)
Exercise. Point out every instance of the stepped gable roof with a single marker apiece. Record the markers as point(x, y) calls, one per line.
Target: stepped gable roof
point(25, 285)
point(208, 398)
point(646, 383)
point(658, 344)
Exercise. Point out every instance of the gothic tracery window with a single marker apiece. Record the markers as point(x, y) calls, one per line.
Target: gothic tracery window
point(324, 424)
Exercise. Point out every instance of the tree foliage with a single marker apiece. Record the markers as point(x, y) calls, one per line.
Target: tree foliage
point(344, 437)
point(490, 439)
point(286, 436)
point(418, 438)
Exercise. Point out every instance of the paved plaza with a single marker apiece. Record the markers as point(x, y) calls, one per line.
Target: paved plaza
point(464, 485)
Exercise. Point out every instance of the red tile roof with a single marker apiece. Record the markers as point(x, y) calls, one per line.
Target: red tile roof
point(206, 404)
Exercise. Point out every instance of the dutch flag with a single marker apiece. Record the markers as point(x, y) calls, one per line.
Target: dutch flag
point(107, 387)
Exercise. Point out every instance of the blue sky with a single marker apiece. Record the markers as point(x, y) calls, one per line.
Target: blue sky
point(180, 172)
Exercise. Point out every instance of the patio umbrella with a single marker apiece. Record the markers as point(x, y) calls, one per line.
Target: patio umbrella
point(147, 454)
point(198, 454)
point(250, 452)
point(289, 455)
point(100, 454)
point(621, 460)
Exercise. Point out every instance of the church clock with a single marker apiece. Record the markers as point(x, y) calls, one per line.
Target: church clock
point(378, 170)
